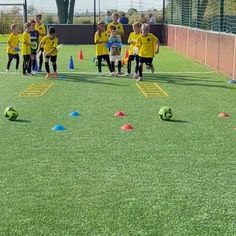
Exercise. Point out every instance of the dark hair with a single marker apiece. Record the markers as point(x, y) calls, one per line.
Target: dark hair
point(51, 30)
point(112, 28)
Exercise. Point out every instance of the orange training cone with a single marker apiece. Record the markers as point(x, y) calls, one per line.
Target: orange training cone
point(81, 55)
point(126, 53)
point(223, 115)
point(119, 114)
point(127, 127)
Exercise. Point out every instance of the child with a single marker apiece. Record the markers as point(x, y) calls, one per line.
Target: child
point(114, 44)
point(26, 49)
point(133, 50)
point(148, 45)
point(40, 27)
point(50, 43)
point(119, 27)
point(13, 47)
point(100, 39)
point(34, 37)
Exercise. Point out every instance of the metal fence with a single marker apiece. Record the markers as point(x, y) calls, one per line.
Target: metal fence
point(215, 15)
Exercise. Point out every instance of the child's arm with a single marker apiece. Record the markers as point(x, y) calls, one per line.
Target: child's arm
point(41, 43)
point(157, 47)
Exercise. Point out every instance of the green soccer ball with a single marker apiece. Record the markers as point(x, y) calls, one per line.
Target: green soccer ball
point(10, 113)
point(165, 113)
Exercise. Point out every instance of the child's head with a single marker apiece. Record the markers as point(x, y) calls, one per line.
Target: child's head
point(101, 26)
point(27, 27)
point(14, 28)
point(136, 27)
point(32, 24)
point(113, 31)
point(115, 16)
point(51, 31)
point(38, 18)
point(145, 28)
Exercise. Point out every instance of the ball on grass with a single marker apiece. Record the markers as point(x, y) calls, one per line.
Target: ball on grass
point(165, 113)
point(10, 113)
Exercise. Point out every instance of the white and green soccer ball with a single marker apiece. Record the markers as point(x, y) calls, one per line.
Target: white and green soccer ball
point(165, 113)
point(10, 113)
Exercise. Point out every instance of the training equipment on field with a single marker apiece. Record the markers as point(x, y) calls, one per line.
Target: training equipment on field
point(165, 113)
point(74, 114)
point(223, 115)
point(119, 114)
point(81, 55)
point(36, 90)
point(127, 127)
point(232, 81)
point(10, 113)
point(71, 63)
point(151, 90)
point(58, 128)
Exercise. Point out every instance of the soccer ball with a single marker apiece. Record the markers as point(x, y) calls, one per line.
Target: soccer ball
point(10, 113)
point(165, 113)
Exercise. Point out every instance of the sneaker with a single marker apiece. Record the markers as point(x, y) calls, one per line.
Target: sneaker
point(55, 74)
point(7, 70)
point(152, 69)
point(135, 76)
point(120, 74)
point(113, 73)
point(127, 74)
point(47, 76)
point(140, 79)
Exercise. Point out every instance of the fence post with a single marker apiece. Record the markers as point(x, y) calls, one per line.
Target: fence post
point(222, 9)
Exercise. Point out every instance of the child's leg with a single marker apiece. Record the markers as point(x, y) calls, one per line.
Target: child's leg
point(119, 67)
point(113, 66)
point(129, 64)
point(10, 57)
point(140, 69)
point(107, 59)
point(137, 62)
point(54, 65)
point(28, 64)
point(41, 59)
point(17, 57)
point(24, 66)
point(33, 62)
point(99, 58)
point(47, 68)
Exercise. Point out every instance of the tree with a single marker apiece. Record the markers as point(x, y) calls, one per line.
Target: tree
point(65, 9)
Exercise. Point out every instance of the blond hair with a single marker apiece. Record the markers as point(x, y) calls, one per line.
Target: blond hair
point(13, 26)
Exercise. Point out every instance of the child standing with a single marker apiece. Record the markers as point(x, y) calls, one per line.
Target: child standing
point(13, 47)
point(40, 27)
point(50, 43)
point(133, 50)
point(119, 27)
point(100, 39)
point(114, 44)
point(148, 45)
point(26, 49)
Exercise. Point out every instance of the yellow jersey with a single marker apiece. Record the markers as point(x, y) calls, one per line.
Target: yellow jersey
point(119, 28)
point(147, 45)
point(100, 42)
point(49, 44)
point(132, 37)
point(41, 29)
point(12, 43)
point(26, 47)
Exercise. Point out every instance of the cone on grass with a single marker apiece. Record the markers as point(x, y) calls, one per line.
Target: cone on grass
point(127, 127)
point(81, 55)
point(119, 114)
point(71, 64)
point(223, 115)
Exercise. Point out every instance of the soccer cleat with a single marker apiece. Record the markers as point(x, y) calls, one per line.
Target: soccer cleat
point(140, 78)
point(135, 76)
point(47, 76)
point(113, 73)
point(7, 70)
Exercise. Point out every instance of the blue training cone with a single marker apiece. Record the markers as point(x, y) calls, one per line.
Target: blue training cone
point(58, 127)
point(74, 114)
point(71, 64)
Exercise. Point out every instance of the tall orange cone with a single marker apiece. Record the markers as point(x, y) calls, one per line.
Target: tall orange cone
point(126, 53)
point(81, 55)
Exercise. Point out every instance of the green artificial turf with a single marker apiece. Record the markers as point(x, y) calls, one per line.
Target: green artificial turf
point(163, 178)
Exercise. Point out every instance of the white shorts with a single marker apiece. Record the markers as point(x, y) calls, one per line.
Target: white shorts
point(115, 58)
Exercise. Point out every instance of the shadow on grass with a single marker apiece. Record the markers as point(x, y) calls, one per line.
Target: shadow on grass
point(22, 121)
point(177, 121)
point(202, 80)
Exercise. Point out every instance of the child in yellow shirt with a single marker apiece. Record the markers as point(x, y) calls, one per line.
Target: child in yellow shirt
point(50, 43)
point(26, 50)
point(13, 47)
point(100, 39)
point(148, 46)
point(133, 50)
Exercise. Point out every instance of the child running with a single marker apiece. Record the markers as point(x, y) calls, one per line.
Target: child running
point(26, 49)
point(133, 50)
point(13, 47)
point(148, 45)
point(50, 43)
point(100, 39)
point(114, 44)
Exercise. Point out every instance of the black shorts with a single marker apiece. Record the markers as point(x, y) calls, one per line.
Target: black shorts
point(132, 57)
point(52, 58)
point(146, 60)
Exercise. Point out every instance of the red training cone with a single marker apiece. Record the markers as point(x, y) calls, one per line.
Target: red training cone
point(81, 55)
point(223, 115)
point(126, 53)
point(119, 114)
point(127, 127)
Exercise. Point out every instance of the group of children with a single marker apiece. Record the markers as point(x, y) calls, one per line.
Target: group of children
point(35, 43)
point(143, 46)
